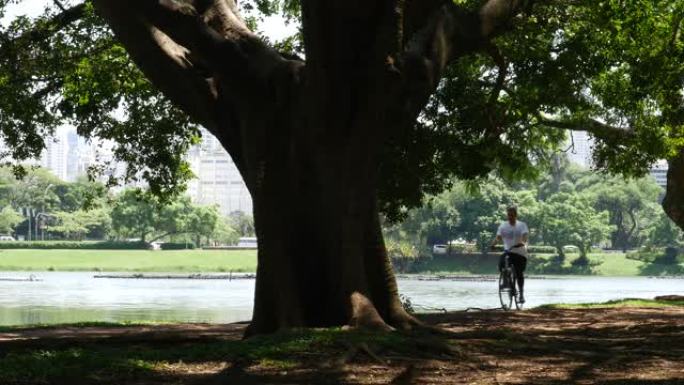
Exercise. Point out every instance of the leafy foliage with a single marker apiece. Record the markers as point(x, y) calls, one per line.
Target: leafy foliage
point(568, 206)
point(65, 68)
point(9, 219)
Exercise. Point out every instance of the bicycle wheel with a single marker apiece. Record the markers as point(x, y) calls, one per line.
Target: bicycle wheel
point(505, 292)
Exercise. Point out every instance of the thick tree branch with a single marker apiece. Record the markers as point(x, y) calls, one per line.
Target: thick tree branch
point(46, 28)
point(495, 15)
point(164, 62)
point(441, 32)
point(201, 55)
point(59, 4)
point(598, 129)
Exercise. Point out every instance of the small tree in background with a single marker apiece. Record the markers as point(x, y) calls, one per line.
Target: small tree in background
point(75, 225)
point(570, 219)
point(403, 254)
point(9, 219)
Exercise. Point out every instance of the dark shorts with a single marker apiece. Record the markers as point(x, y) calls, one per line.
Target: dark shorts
point(518, 261)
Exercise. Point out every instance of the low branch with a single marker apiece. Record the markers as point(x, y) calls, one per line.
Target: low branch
point(57, 23)
point(163, 61)
point(59, 4)
point(495, 15)
point(448, 32)
point(598, 129)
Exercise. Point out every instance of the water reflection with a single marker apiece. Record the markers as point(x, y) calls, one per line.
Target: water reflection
point(77, 297)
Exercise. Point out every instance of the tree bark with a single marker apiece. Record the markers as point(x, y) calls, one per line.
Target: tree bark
point(673, 203)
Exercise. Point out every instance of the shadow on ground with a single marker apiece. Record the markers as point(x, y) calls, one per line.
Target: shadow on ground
point(626, 346)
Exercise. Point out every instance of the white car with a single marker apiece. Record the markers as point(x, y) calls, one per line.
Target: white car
point(439, 249)
point(7, 238)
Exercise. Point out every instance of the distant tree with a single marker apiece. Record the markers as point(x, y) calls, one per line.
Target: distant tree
point(76, 224)
point(402, 253)
point(224, 233)
point(664, 232)
point(570, 219)
point(9, 219)
point(482, 210)
point(82, 194)
point(134, 215)
point(202, 221)
point(434, 223)
point(242, 223)
point(629, 204)
point(137, 213)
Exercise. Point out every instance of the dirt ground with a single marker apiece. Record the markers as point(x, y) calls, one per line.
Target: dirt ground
point(625, 346)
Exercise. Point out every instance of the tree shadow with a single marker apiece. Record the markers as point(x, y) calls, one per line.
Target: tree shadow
point(606, 346)
point(658, 269)
point(556, 265)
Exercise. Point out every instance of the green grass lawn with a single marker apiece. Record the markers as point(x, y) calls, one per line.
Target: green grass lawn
point(616, 264)
point(128, 260)
point(605, 264)
point(627, 302)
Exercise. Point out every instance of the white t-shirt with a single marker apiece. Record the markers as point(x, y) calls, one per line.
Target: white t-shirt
point(512, 235)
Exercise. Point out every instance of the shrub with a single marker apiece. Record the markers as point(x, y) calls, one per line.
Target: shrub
point(664, 256)
point(104, 245)
point(541, 249)
point(177, 246)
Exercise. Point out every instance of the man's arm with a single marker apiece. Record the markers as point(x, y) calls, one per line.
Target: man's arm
point(496, 240)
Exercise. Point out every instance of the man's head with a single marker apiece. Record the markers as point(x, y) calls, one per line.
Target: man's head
point(512, 213)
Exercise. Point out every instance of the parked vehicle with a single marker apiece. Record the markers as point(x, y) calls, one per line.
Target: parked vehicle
point(248, 242)
point(439, 249)
point(7, 238)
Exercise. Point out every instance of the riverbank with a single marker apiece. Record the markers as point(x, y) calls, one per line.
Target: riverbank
point(222, 261)
point(607, 345)
point(166, 261)
point(600, 264)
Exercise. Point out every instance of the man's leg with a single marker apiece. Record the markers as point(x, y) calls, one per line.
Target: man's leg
point(501, 267)
point(520, 264)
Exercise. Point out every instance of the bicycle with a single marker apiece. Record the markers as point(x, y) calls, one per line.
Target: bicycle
point(507, 286)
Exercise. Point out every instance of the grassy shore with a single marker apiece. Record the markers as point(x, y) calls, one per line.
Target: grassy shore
point(128, 260)
point(627, 302)
point(602, 264)
point(192, 261)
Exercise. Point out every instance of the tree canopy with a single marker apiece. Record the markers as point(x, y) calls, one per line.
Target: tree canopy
point(559, 66)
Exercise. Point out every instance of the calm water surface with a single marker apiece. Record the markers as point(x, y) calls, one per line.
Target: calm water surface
point(76, 297)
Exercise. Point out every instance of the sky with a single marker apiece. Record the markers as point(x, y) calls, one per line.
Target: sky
point(274, 27)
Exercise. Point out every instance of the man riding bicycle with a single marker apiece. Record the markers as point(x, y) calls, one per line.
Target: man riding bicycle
point(514, 235)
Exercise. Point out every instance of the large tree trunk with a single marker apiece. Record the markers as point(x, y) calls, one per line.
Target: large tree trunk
point(322, 262)
point(307, 136)
point(673, 203)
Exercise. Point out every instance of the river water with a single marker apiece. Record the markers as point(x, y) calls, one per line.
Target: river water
point(77, 297)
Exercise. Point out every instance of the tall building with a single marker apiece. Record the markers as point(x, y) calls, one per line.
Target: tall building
point(659, 172)
point(580, 151)
point(80, 156)
point(218, 179)
point(54, 157)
